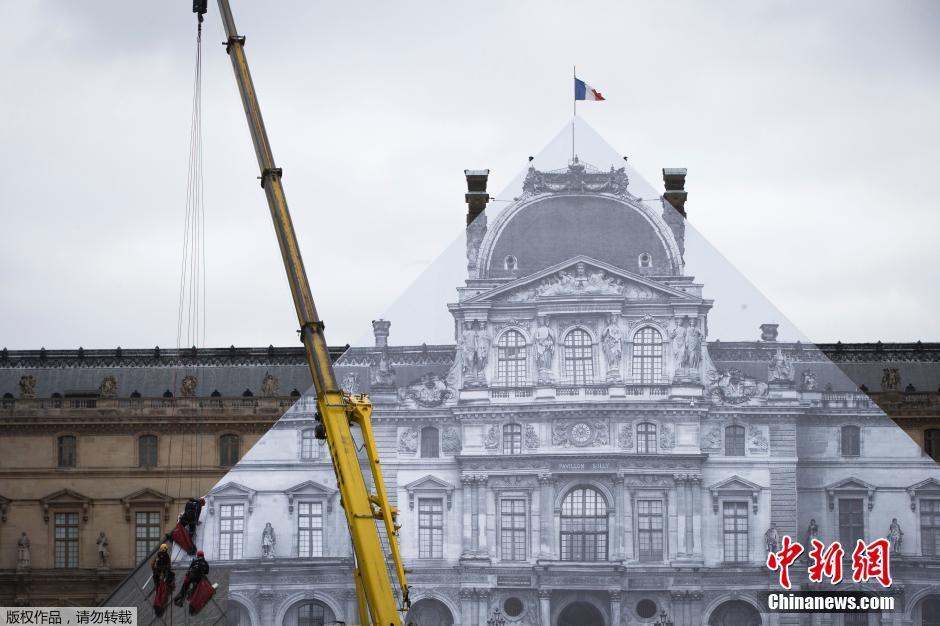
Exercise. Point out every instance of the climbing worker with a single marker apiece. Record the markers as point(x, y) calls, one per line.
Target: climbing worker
point(161, 565)
point(190, 516)
point(198, 570)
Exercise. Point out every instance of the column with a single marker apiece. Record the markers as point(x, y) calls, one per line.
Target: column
point(483, 598)
point(689, 516)
point(475, 517)
point(545, 607)
point(466, 607)
point(267, 606)
point(352, 607)
point(680, 514)
point(697, 517)
point(617, 531)
point(466, 506)
point(615, 598)
point(629, 541)
point(546, 517)
point(481, 513)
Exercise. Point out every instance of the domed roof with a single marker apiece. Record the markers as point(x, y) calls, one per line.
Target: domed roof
point(547, 227)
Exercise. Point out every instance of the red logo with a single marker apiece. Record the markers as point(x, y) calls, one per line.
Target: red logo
point(869, 561)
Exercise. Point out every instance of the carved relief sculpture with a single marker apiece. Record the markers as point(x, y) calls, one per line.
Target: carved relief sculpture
point(383, 374)
point(711, 440)
point(108, 387)
point(491, 440)
point(544, 350)
point(808, 380)
point(625, 436)
point(531, 437)
point(890, 380)
point(188, 386)
point(733, 387)
point(429, 391)
point(351, 383)
point(579, 434)
point(408, 441)
point(269, 385)
point(612, 343)
point(450, 441)
point(757, 439)
point(27, 387)
point(780, 368)
point(667, 437)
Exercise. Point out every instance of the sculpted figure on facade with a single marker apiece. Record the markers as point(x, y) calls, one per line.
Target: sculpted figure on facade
point(491, 440)
point(474, 349)
point(544, 350)
point(351, 383)
point(565, 283)
point(27, 387)
point(108, 387)
point(22, 552)
point(383, 374)
point(625, 436)
point(693, 347)
point(780, 368)
point(733, 387)
point(104, 555)
point(757, 439)
point(679, 347)
point(531, 437)
point(808, 380)
point(895, 536)
point(408, 441)
point(476, 230)
point(429, 391)
point(268, 541)
point(711, 440)
point(667, 437)
point(891, 379)
point(188, 386)
point(450, 441)
point(269, 385)
point(812, 532)
point(772, 538)
point(612, 342)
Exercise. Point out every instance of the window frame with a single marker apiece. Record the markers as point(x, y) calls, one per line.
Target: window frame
point(573, 536)
point(512, 438)
point(149, 541)
point(141, 461)
point(933, 531)
point(225, 451)
point(430, 528)
point(650, 531)
point(60, 447)
point(227, 547)
point(855, 440)
point(737, 534)
point(70, 543)
point(309, 452)
point(734, 430)
point(578, 357)
point(512, 359)
point(436, 441)
point(932, 443)
point(643, 438)
point(311, 530)
point(647, 356)
point(513, 536)
point(847, 543)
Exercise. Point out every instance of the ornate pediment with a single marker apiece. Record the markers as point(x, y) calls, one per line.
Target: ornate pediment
point(735, 486)
point(583, 276)
point(929, 487)
point(310, 488)
point(231, 490)
point(429, 484)
point(851, 487)
point(65, 498)
point(146, 497)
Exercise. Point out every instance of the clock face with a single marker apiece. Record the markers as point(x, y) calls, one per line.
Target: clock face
point(581, 434)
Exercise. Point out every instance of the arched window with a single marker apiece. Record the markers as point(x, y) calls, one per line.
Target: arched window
point(579, 358)
point(851, 441)
point(308, 448)
point(930, 611)
point(228, 449)
point(647, 356)
point(511, 359)
point(430, 443)
point(147, 451)
point(738, 613)
point(512, 439)
point(646, 438)
point(314, 614)
point(734, 441)
point(584, 525)
point(645, 259)
point(932, 443)
point(511, 263)
point(67, 445)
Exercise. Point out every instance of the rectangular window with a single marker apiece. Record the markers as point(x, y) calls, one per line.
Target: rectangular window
point(646, 438)
point(430, 528)
point(147, 533)
point(512, 527)
point(310, 529)
point(851, 522)
point(851, 441)
point(930, 527)
point(308, 447)
point(734, 441)
point(649, 515)
point(67, 445)
point(66, 539)
point(735, 531)
point(147, 451)
point(512, 439)
point(231, 531)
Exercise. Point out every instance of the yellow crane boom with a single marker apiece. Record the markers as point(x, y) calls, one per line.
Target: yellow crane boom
point(337, 411)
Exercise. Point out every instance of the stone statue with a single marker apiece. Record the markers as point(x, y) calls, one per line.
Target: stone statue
point(188, 386)
point(772, 538)
point(22, 552)
point(482, 352)
point(780, 368)
point(544, 350)
point(679, 347)
point(693, 346)
point(27, 387)
point(269, 385)
point(808, 380)
point(268, 541)
point(104, 555)
point(812, 532)
point(384, 374)
point(612, 342)
point(351, 383)
point(895, 536)
point(108, 387)
point(890, 381)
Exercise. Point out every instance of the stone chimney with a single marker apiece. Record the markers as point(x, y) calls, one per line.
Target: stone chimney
point(768, 332)
point(676, 195)
point(380, 330)
point(477, 199)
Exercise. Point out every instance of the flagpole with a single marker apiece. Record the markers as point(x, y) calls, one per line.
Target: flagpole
point(574, 74)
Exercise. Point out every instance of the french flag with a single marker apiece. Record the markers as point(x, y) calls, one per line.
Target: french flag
point(583, 91)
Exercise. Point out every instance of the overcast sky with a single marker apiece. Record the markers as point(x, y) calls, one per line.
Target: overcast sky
point(810, 131)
